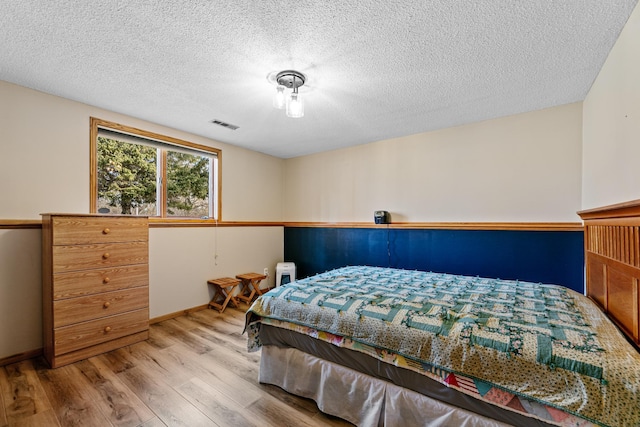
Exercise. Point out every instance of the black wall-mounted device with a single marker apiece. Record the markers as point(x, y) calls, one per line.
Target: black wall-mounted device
point(381, 217)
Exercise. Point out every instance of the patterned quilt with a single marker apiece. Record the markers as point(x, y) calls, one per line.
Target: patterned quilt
point(542, 350)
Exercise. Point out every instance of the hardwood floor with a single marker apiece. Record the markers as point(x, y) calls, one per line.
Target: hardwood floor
point(193, 371)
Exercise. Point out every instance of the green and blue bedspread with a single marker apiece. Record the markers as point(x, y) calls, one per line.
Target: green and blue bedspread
point(515, 344)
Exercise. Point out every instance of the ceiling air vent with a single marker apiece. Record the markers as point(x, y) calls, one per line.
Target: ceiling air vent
point(224, 125)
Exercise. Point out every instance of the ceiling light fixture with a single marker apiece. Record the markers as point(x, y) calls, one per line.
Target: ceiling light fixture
point(289, 79)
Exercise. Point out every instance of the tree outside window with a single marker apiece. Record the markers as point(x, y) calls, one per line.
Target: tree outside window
point(136, 175)
point(187, 185)
point(127, 176)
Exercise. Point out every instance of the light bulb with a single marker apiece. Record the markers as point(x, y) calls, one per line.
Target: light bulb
point(295, 106)
point(279, 98)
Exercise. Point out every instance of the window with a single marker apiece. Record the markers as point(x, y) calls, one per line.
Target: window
point(135, 172)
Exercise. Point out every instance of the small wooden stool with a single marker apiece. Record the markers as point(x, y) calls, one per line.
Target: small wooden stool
point(250, 286)
point(223, 289)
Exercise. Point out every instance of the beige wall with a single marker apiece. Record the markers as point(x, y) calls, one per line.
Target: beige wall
point(20, 291)
point(193, 255)
point(538, 166)
point(612, 125)
point(44, 167)
point(525, 167)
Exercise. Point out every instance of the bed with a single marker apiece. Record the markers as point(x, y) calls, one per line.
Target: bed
point(379, 346)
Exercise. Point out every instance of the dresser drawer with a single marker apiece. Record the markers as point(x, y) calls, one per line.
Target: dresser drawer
point(80, 230)
point(88, 282)
point(75, 310)
point(81, 335)
point(80, 257)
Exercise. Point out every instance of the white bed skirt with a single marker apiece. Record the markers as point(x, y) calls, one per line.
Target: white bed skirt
point(358, 398)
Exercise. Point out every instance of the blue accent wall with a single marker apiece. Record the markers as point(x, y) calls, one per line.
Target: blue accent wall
point(537, 256)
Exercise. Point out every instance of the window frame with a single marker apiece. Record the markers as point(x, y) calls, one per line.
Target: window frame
point(96, 123)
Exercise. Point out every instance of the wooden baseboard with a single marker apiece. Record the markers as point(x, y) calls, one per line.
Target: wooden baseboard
point(31, 354)
point(177, 314)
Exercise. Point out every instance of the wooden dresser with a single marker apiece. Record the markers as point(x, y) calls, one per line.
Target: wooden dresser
point(95, 277)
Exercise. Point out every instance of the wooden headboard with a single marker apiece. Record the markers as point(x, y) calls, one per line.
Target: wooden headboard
point(612, 257)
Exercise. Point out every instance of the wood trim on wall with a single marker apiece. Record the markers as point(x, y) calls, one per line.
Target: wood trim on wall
point(93, 164)
point(26, 355)
point(178, 314)
point(19, 224)
point(522, 226)
point(185, 222)
point(170, 223)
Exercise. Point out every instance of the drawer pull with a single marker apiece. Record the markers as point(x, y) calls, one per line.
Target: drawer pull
point(106, 280)
point(106, 255)
point(107, 329)
point(106, 304)
point(106, 231)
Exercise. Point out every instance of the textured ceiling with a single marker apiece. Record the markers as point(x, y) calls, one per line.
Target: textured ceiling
point(375, 69)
